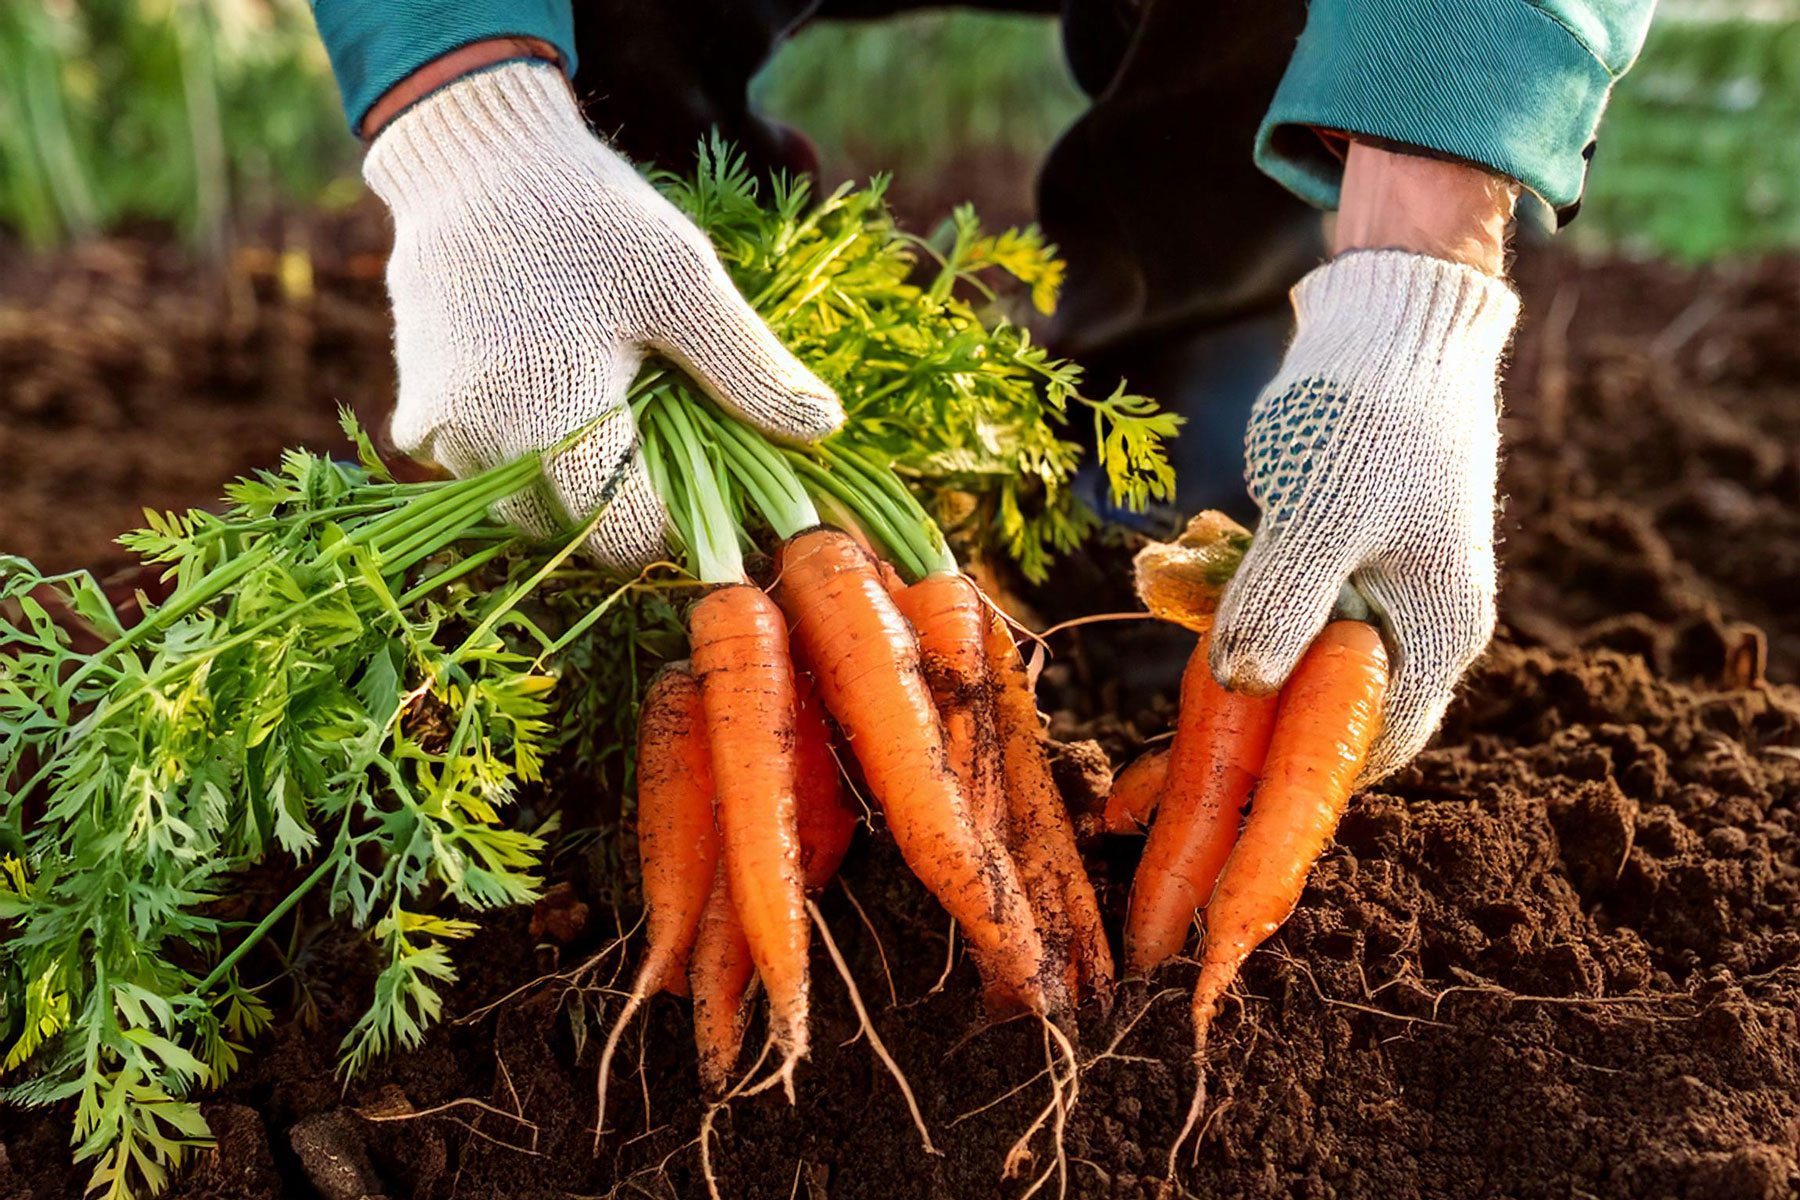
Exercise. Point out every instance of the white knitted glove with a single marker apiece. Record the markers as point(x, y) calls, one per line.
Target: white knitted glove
point(532, 270)
point(1373, 457)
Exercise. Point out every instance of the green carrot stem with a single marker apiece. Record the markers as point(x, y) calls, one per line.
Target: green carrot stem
point(743, 466)
point(511, 599)
point(871, 499)
point(883, 477)
point(435, 539)
point(905, 518)
point(422, 510)
point(391, 496)
point(899, 547)
point(263, 926)
point(452, 573)
point(715, 545)
point(207, 588)
point(475, 494)
point(587, 622)
point(663, 462)
point(907, 512)
point(770, 481)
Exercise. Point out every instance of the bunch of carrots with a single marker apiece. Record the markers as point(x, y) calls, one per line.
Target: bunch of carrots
point(742, 808)
point(1243, 802)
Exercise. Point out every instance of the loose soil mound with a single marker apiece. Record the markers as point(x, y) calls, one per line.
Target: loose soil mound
point(1556, 957)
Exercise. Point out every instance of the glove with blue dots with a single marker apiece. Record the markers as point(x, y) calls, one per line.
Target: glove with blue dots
point(1373, 458)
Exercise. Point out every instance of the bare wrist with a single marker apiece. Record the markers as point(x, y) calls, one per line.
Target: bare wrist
point(447, 68)
point(1447, 210)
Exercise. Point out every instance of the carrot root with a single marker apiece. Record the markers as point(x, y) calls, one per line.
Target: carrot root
point(1131, 803)
point(867, 659)
point(1040, 832)
point(1221, 741)
point(719, 972)
point(950, 620)
point(1329, 714)
point(868, 1028)
point(824, 817)
point(1324, 722)
point(678, 844)
point(740, 648)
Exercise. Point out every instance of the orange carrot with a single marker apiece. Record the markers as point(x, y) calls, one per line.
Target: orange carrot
point(1329, 715)
point(740, 649)
point(1135, 791)
point(1221, 740)
point(678, 841)
point(890, 578)
point(825, 818)
point(949, 617)
point(719, 972)
point(1039, 830)
point(678, 845)
point(867, 660)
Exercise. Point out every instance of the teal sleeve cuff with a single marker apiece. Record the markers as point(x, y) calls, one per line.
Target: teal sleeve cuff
point(374, 44)
point(1514, 85)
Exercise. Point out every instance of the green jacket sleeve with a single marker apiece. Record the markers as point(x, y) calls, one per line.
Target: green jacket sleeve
point(1516, 85)
point(374, 44)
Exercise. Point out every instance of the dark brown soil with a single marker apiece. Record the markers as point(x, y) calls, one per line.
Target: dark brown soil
point(1555, 958)
point(1654, 462)
point(130, 378)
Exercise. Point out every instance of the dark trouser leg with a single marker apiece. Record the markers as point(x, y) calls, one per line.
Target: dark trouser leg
point(657, 75)
point(1180, 251)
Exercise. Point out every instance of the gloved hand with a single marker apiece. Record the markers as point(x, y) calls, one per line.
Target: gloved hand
point(532, 270)
point(1373, 457)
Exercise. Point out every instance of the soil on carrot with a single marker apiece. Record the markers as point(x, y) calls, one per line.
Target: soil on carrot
point(1555, 957)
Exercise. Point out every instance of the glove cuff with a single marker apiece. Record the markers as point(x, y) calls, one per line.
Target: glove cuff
point(1404, 308)
point(482, 132)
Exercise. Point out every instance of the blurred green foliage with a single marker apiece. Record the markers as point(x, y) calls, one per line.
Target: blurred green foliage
point(921, 90)
point(190, 112)
point(1699, 156)
point(200, 113)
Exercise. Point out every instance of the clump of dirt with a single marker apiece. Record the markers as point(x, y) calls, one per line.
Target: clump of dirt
point(1556, 956)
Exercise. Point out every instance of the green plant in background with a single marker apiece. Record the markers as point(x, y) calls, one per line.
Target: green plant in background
point(199, 112)
point(189, 112)
point(1699, 156)
point(44, 181)
point(914, 92)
